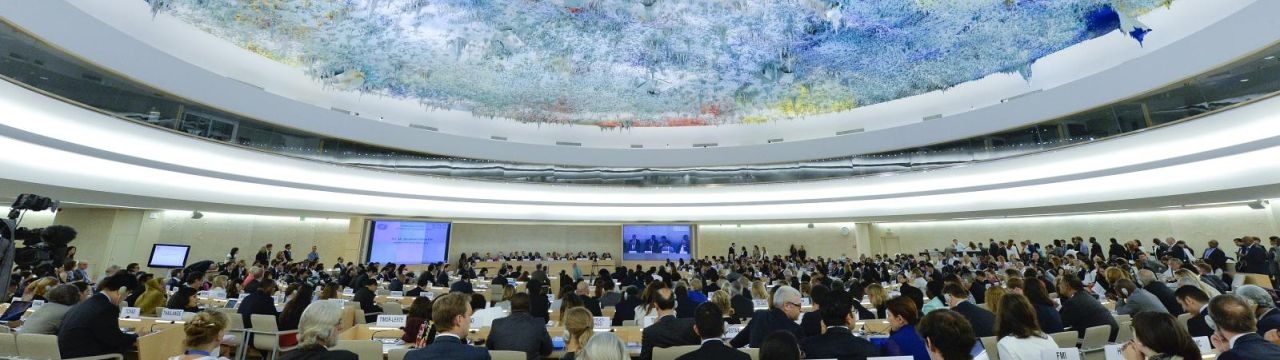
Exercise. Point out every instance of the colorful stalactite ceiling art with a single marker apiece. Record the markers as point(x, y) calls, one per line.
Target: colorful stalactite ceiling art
point(632, 63)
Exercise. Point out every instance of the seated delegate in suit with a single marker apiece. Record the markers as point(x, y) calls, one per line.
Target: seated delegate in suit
point(781, 316)
point(48, 318)
point(451, 314)
point(838, 342)
point(1080, 310)
point(668, 330)
point(1046, 315)
point(317, 332)
point(982, 321)
point(520, 331)
point(708, 324)
point(258, 302)
point(1195, 302)
point(1019, 335)
point(364, 295)
point(1131, 299)
point(1158, 336)
point(91, 327)
point(1236, 336)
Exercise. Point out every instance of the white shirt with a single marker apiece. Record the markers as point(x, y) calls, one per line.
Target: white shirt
point(1013, 348)
point(484, 317)
point(1232, 344)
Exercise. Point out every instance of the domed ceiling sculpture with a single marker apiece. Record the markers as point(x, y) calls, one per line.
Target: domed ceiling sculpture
point(639, 63)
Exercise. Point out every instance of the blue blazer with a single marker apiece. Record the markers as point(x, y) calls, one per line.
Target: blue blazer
point(448, 348)
point(906, 342)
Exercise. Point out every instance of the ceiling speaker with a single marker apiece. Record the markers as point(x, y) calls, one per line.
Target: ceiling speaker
point(1258, 204)
point(197, 215)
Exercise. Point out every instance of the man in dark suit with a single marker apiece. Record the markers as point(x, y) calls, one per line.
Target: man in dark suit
point(978, 289)
point(983, 321)
point(780, 317)
point(1253, 257)
point(1160, 290)
point(519, 331)
point(1081, 311)
point(1215, 256)
point(91, 327)
point(838, 342)
point(709, 325)
point(1194, 301)
point(451, 314)
point(1234, 318)
point(668, 331)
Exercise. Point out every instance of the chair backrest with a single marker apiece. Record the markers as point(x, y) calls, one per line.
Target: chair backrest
point(392, 308)
point(671, 353)
point(8, 344)
point(754, 353)
point(628, 323)
point(38, 346)
point(364, 349)
point(1124, 333)
point(989, 343)
point(1095, 337)
point(1122, 318)
point(608, 311)
point(1182, 319)
point(360, 316)
point(1065, 339)
point(507, 355)
point(265, 324)
point(397, 354)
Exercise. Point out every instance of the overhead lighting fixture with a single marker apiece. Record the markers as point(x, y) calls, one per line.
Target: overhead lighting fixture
point(1272, 57)
point(1244, 80)
point(1258, 204)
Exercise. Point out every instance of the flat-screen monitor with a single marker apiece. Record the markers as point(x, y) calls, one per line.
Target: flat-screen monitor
point(408, 242)
point(168, 256)
point(657, 242)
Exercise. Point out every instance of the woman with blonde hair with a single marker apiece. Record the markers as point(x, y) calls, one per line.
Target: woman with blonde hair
point(37, 289)
point(757, 290)
point(878, 296)
point(578, 322)
point(722, 300)
point(993, 296)
point(1186, 277)
point(317, 331)
point(204, 336)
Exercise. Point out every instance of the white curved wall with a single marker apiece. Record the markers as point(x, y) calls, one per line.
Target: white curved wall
point(1226, 157)
point(1245, 27)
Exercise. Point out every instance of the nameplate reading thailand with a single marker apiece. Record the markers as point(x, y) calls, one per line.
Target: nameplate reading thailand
point(1060, 354)
point(601, 322)
point(396, 294)
point(130, 313)
point(171, 314)
point(759, 303)
point(391, 320)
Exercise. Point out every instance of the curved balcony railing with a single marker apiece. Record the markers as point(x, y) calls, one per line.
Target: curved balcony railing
point(29, 62)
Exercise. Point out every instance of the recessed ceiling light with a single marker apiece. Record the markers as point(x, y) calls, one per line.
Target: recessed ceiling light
point(1272, 57)
point(1244, 80)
